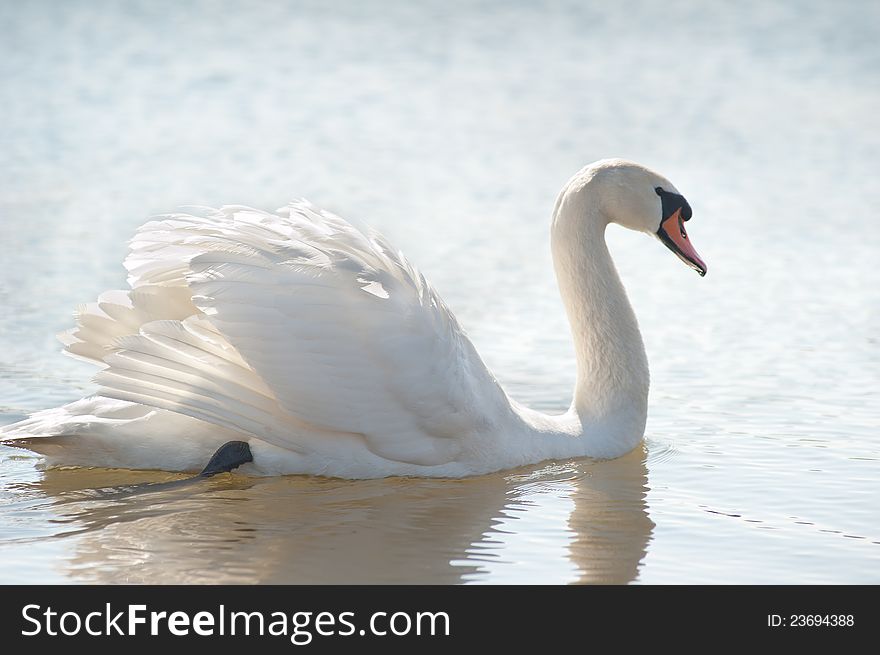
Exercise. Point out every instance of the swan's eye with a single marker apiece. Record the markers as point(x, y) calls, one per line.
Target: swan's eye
point(672, 202)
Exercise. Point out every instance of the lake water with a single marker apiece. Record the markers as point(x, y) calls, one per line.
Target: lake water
point(450, 127)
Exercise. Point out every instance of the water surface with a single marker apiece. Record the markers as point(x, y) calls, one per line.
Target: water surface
point(451, 127)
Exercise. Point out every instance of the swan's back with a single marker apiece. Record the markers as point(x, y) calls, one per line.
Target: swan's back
point(296, 328)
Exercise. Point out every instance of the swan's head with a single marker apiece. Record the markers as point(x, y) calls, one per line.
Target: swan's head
point(631, 195)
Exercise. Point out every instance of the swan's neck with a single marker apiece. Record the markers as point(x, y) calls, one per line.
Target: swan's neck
point(611, 392)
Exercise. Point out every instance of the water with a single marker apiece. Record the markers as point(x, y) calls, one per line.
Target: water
point(451, 127)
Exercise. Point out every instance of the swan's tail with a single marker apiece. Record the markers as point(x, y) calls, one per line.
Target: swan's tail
point(103, 432)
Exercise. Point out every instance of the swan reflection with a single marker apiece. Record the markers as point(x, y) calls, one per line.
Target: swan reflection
point(232, 529)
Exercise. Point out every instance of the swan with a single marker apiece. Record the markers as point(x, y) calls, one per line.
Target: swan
point(315, 346)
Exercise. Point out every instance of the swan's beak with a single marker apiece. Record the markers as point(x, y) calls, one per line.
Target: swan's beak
point(673, 234)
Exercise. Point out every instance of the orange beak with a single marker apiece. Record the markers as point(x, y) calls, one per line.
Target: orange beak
point(673, 234)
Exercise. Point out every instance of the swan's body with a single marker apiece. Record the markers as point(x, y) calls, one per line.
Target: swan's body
point(322, 347)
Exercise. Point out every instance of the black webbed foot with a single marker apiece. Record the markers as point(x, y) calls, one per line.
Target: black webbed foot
point(229, 456)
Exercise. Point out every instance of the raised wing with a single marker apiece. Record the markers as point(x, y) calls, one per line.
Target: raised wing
point(309, 328)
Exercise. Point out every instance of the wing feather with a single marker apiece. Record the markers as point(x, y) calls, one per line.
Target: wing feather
point(295, 327)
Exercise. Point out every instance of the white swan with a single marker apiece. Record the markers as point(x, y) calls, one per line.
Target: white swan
point(321, 346)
